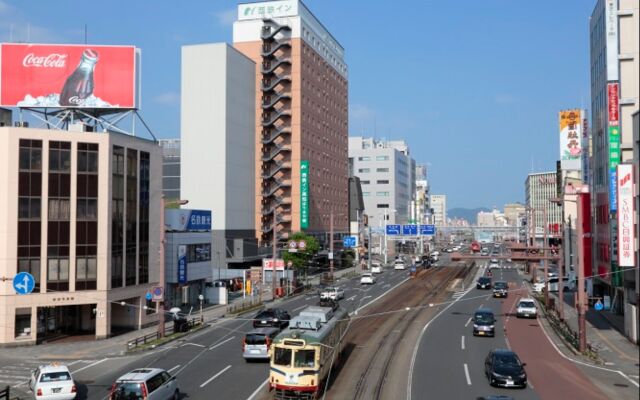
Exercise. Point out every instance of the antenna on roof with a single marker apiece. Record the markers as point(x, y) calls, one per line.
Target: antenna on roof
point(85, 33)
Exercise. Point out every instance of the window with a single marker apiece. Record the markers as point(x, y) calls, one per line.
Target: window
point(29, 207)
point(365, 158)
point(365, 182)
point(199, 252)
point(382, 158)
point(117, 216)
point(305, 359)
point(282, 356)
point(23, 322)
point(383, 205)
point(364, 170)
point(364, 194)
point(143, 218)
point(383, 182)
point(384, 194)
point(131, 220)
point(382, 169)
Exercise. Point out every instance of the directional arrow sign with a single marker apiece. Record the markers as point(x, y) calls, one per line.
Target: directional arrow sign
point(393, 229)
point(427, 229)
point(23, 283)
point(410, 229)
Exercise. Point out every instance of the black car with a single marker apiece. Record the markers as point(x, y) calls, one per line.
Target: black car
point(275, 317)
point(484, 322)
point(484, 282)
point(500, 289)
point(503, 368)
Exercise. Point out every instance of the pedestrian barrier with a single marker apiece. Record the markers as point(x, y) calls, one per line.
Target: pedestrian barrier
point(5, 393)
point(170, 329)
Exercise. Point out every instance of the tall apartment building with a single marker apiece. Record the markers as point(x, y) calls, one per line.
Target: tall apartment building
point(422, 197)
point(79, 211)
point(387, 175)
point(301, 119)
point(512, 211)
point(170, 168)
point(439, 206)
point(614, 98)
point(540, 187)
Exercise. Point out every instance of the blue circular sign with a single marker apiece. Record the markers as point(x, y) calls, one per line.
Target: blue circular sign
point(23, 283)
point(148, 296)
point(598, 306)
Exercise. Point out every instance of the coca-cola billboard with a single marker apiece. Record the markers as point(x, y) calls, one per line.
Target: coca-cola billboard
point(79, 76)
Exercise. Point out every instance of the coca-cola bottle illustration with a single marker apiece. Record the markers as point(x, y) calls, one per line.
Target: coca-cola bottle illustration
point(79, 84)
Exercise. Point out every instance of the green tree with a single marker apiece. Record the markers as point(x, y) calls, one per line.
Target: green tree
point(300, 258)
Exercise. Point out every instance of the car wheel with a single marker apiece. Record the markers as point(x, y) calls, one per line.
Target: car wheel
point(176, 395)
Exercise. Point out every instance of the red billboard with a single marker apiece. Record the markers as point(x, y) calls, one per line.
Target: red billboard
point(78, 76)
point(612, 94)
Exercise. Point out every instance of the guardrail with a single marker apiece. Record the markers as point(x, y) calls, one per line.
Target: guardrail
point(169, 330)
point(5, 393)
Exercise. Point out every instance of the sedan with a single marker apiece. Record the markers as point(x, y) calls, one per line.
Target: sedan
point(276, 317)
point(503, 368)
point(367, 278)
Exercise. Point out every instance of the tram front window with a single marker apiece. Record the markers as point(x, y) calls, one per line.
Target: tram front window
point(282, 356)
point(305, 358)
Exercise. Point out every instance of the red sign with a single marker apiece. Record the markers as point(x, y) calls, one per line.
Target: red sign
point(612, 90)
point(80, 76)
point(267, 264)
point(626, 212)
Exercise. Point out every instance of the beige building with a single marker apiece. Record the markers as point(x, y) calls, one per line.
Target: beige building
point(79, 211)
point(301, 116)
point(512, 211)
point(439, 206)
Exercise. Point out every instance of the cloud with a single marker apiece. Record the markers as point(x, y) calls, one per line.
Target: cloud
point(167, 98)
point(226, 17)
point(504, 99)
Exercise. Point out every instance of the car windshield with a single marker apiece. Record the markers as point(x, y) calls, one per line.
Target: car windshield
point(282, 356)
point(305, 359)
point(527, 304)
point(127, 391)
point(500, 285)
point(484, 280)
point(255, 339)
point(265, 315)
point(483, 318)
point(55, 377)
point(507, 360)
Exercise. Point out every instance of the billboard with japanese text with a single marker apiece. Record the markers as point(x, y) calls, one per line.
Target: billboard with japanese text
point(69, 76)
point(626, 212)
point(571, 136)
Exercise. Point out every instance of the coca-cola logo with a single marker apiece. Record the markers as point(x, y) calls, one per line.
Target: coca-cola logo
point(76, 100)
point(49, 61)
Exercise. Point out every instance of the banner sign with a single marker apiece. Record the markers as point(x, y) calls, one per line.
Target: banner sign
point(70, 76)
point(304, 194)
point(626, 212)
point(611, 41)
point(614, 141)
point(570, 135)
point(267, 264)
point(182, 264)
point(183, 220)
point(612, 104)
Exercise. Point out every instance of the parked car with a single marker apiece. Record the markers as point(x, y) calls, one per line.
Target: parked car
point(484, 322)
point(332, 292)
point(526, 308)
point(500, 289)
point(503, 368)
point(484, 282)
point(367, 278)
point(52, 381)
point(275, 317)
point(145, 383)
point(256, 343)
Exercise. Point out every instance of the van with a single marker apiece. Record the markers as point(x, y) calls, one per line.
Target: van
point(256, 343)
point(484, 322)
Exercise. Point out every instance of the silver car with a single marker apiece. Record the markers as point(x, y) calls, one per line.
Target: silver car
point(145, 383)
point(256, 344)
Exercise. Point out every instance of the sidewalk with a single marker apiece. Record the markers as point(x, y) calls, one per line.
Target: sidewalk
point(88, 348)
point(612, 347)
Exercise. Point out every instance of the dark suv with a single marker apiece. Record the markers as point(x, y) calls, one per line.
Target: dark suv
point(484, 282)
point(484, 322)
point(275, 317)
point(500, 289)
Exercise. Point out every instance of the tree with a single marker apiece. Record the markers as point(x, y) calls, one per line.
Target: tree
point(301, 257)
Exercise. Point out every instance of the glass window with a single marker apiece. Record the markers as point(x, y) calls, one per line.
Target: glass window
point(382, 169)
point(382, 182)
point(364, 170)
point(23, 322)
point(305, 358)
point(282, 356)
point(365, 158)
point(55, 377)
point(382, 158)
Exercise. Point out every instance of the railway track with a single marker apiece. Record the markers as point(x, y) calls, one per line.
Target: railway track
point(373, 340)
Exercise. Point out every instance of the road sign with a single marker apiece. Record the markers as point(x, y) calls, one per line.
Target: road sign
point(293, 246)
point(598, 306)
point(157, 293)
point(350, 241)
point(393, 229)
point(23, 283)
point(427, 229)
point(148, 296)
point(302, 245)
point(410, 229)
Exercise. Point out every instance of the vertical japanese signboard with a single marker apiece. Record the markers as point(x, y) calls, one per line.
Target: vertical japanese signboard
point(626, 228)
point(570, 138)
point(614, 141)
point(304, 194)
point(182, 264)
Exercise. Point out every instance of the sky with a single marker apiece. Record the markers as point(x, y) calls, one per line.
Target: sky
point(474, 87)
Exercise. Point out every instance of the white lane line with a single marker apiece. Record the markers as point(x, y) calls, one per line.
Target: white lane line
point(299, 308)
point(215, 376)
point(366, 297)
point(255, 393)
point(462, 342)
point(466, 374)
point(174, 368)
point(193, 344)
point(309, 298)
point(379, 297)
point(351, 298)
point(221, 343)
point(90, 365)
point(468, 322)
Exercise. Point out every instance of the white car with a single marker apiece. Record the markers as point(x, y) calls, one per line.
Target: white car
point(398, 264)
point(435, 253)
point(538, 287)
point(376, 269)
point(52, 382)
point(146, 383)
point(333, 293)
point(526, 308)
point(367, 278)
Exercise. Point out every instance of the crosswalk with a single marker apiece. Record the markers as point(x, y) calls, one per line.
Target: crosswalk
point(456, 295)
point(18, 372)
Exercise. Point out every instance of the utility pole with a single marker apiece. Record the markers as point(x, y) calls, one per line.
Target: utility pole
point(582, 330)
point(331, 246)
point(161, 281)
point(369, 249)
point(544, 254)
point(561, 282)
point(385, 236)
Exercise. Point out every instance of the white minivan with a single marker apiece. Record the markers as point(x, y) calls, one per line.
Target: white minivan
point(399, 264)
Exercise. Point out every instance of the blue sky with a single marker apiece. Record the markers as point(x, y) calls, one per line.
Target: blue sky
point(473, 86)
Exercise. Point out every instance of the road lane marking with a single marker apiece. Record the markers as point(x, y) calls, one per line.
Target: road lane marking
point(215, 376)
point(221, 343)
point(466, 374)
point(255, 393)
point(90, 365)
point(174, 368)
point(468, 322)
point(377, 298)
point(193, 344)
point(462, 342)
point(351, 298)
point(309, 298)
point(299, 308)
point(366, 297)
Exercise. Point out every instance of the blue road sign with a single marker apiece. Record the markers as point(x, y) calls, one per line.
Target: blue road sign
point(427, 229)
point(349, 241)
point(148, 296)
point(23, 283)
point(598, 306)
point(393, 229)
point(411, 229)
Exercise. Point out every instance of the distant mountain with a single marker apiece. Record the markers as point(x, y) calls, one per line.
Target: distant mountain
point(470, 214)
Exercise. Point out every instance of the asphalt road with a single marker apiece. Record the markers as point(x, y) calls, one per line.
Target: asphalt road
point(210, 362)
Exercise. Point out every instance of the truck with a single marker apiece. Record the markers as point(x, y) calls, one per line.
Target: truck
point(475, 247)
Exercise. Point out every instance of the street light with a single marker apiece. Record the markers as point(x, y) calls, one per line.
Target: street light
point(386, 217)
point(161, 282)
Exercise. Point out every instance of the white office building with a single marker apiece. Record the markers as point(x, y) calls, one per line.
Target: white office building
point(387, 175)
point(439, 206)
